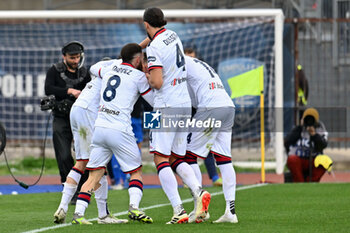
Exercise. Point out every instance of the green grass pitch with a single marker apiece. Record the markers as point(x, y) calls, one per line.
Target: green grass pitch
point(269, 208)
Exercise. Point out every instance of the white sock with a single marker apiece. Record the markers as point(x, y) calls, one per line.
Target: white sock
point(75, 174)
point(135, 193)
point(197, 172)
point(178, 209)
point(228, 181)
point(82, 203)
point(230, 207)
point(80, 207)
point(101, 195)
point(169, 185)
point(189, 178)
point(67, 194)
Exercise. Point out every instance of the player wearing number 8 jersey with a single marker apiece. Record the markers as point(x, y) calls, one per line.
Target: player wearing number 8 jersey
point(82, 118)
point(166, 65)
point(113, 134)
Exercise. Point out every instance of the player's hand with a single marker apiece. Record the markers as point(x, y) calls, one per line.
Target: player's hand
point(311, 130)
point(74, 92)
point(147, 76)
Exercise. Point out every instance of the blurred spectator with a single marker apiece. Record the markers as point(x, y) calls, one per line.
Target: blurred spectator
point(303, 144)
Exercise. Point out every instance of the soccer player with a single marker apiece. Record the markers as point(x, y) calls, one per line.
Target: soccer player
point(167, 76)
point(113, 132)
point(212, 103)
point(209, 161)
point(82, 117)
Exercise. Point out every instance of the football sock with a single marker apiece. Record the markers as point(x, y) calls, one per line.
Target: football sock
point(67, 194)
point(187, 175)
point(192, 161)
point(228, 181)
point(135, 193)
point(197, 172)
point(75, 174)
point(70, 189)
point(230, 206)
point(169, 183)
point(178, 209)
point(82, 203)
point(101, 195)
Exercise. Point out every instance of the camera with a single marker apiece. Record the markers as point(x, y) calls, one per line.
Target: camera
point(47, 103)
point(309, 121)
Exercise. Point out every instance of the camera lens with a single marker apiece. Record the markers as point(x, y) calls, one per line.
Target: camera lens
point(309, 121)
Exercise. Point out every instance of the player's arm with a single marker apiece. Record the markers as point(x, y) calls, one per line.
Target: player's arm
point(155, 78)
point(145, 90)
point(145, 42)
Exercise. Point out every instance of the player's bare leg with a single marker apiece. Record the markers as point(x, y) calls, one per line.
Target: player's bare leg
point(135, 195)
point(69, 189)
point(169, 186)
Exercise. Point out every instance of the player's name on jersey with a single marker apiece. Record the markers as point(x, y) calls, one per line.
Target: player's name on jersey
point(193, 123)
point(108, 111)
point(122, 70)
point(170, 39)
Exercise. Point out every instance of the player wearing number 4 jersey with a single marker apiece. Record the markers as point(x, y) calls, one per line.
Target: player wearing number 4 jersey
point(212, 102)
point(113, 134)
point(166, 65)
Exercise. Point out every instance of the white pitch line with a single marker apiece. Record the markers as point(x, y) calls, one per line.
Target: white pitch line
point(146, 208)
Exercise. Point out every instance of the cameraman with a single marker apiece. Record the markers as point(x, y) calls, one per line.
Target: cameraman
point(305, 140)
point(65, 80)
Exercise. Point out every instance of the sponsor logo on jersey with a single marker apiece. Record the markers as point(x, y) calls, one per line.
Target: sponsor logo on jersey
point(177, 81)
point(108, 111)
point(151, 59)
point(216, 85)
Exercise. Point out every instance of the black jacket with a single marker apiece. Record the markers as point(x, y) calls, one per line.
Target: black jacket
point(299, 139)
point(57, 86)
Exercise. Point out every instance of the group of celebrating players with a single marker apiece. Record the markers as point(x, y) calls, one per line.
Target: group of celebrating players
point(170, 82)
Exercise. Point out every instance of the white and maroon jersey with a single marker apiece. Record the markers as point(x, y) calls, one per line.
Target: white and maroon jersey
point(120, 89)
point(165, 51)
point(89, 98)
point(204, 85)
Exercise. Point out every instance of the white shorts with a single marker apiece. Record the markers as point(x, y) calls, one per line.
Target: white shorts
point(217, 140)
point(172, 140)
point(106, 142)
point(82, 124)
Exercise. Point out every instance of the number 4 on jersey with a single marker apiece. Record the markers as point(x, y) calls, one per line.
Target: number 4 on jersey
point(180, 59)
